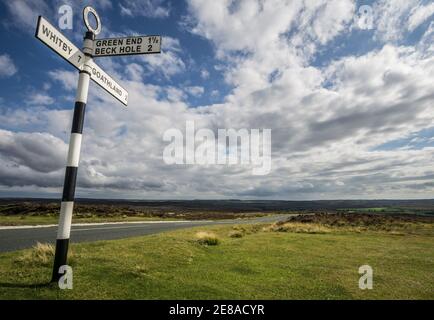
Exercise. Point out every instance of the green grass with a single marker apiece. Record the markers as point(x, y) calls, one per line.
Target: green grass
point(390, 210)
point(263, 264)
point(21, 220)
point(378, 209)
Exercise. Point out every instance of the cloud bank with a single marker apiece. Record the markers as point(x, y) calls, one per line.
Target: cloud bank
point(329, 120)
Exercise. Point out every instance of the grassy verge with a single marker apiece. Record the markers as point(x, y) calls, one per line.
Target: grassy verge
point(292, 260)
point(302, 261)
point(43, 220)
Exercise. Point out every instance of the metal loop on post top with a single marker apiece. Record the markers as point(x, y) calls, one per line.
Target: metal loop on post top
point(86, 12)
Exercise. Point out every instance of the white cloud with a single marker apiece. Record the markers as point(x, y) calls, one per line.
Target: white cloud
point(237, 28)
point(204, 74)
point(7, 66)
point(46, 86)
point(24, 13)
point(175, 94)
point(68, 79)
point(326, 122)
point(39, 119)
point(273, 35)
point(168, 62)
point(135, 71)
point(419, 15)
point(41, 152)
point(40, 99)
point(145, 8)
point(195, 90)
point(102, 4)
point(426, 44)
point(394, 19)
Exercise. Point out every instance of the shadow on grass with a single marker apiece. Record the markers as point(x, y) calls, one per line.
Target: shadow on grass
point(27, 285)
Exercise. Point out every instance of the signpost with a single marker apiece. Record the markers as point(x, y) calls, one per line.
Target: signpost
point(88, 69)
point(107, 83)
point(127, 46)
point(59, 43)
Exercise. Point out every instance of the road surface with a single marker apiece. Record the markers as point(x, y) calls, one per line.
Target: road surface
point(16, 238)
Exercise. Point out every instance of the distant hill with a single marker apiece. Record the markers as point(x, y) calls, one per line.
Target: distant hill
point(242, 205)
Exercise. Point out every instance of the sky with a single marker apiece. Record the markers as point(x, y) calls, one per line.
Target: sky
point(346, 90)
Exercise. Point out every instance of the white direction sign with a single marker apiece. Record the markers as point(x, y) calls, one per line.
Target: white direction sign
point(107, 83)
point(54, 39)
point(127, 46)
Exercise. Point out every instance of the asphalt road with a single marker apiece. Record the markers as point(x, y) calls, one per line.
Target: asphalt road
point(24, 237)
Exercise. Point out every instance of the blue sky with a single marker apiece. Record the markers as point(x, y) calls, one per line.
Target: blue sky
point(33, 58)
point(350, 108)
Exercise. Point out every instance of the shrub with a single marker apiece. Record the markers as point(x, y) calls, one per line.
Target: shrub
point(236, 234)
point(207, 238)
point(299, 228)
point(255, 228)
point(40, 254)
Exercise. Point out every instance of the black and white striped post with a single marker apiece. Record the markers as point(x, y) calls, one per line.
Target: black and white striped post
point(67, 205)
point(88, 70)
